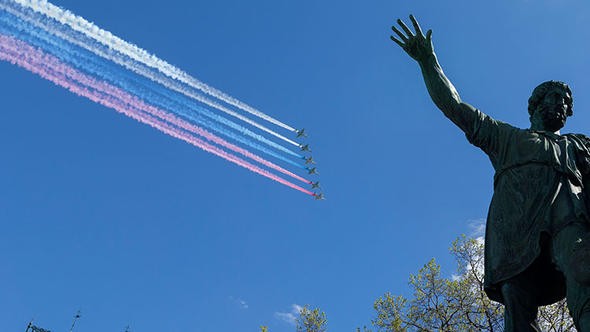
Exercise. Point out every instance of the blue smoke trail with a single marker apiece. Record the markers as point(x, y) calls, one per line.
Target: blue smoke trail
point(87, 61)
point(55, 26)
point(80, 24)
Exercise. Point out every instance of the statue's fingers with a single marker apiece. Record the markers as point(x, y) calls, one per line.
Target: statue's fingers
point(416, 26)
point(402, 45)
point(401, 35)
point(405, 27)
point(429, 36)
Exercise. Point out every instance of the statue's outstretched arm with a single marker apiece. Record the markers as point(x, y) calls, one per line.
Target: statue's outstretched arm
point(441, 90)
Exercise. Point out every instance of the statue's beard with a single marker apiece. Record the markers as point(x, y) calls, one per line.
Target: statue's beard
point(553, 117)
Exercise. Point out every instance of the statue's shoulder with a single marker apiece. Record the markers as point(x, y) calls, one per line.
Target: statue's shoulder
point(580, 138)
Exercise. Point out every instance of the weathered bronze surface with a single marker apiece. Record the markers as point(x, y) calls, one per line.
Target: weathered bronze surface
point(537, 247)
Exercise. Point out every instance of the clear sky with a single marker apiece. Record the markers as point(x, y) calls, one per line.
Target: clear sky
point(102, 214)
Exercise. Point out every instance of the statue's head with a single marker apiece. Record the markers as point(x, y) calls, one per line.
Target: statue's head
point(550, 104)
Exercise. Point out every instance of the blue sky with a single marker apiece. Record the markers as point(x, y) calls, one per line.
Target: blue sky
point(105, 215)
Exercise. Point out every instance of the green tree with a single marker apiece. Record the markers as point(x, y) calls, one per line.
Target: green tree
point(311, 320)
point(556, 318)
point(454, 304)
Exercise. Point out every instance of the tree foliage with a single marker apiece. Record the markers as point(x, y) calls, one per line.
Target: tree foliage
point(454, 304)
point(311, 320)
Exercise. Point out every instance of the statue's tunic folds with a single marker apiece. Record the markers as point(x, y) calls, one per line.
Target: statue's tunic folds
point(538, 190)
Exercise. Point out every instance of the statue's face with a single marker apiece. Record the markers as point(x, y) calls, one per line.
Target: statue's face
point(553, 109)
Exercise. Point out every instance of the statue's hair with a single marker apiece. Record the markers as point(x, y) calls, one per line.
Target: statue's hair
point(541, 90)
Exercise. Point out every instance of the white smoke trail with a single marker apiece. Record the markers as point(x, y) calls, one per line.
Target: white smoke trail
point(127, 62)
point(42, 22)
point(26, 56)
point(105, 37)
point(86, 63)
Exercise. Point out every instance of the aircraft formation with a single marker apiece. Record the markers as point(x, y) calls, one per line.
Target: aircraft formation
point(311, 170)
point(91, 62)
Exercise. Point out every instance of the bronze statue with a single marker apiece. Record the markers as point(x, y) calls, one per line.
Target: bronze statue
point(537, 243)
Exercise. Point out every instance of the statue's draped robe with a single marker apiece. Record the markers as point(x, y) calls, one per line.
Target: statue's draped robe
point(538, 190)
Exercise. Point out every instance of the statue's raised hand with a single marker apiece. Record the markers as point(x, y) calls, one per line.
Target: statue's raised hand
point(418, 46)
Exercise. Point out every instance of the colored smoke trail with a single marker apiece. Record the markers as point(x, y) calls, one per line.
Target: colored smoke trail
point(27, 57)
point(105, 37)
point(170, 83)
point(56, 65)
point(108, 71)
point(84, 41)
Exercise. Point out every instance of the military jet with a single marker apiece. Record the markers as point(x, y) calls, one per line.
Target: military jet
point(305, 147)
point(315, 184)
point(318, 196)
point(301, 133)
point(309, 160)
point(312, 170)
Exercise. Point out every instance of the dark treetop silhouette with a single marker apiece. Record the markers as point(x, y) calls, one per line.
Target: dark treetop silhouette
point(537, 246)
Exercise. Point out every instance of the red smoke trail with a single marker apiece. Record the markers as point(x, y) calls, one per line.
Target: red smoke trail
point(56, 65)
point(48, 67)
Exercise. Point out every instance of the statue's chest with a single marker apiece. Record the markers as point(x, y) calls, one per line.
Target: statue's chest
point(547, 152)
point(536, 147)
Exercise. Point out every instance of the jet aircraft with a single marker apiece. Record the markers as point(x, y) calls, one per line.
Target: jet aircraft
point(311, 170)
point(305, 147)
point(315, 184)
point(301, 133)
point(309, 160)
point(318, 196)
